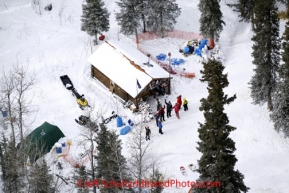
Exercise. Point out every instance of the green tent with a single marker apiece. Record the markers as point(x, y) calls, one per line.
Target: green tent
point(40, 141)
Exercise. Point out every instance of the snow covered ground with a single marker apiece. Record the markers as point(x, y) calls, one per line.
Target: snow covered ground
point(52, 45)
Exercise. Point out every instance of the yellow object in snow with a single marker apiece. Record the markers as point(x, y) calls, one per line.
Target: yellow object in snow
point(69, 142)
point(185, 101)
point(82, 102)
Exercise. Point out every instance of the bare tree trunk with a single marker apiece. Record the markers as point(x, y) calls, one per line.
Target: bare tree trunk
point(270, 104)
point(20, 118)
point(162, 26)
point(40, 7)
point(92, 161)
point(136, 36)
point(61, 10)
point(10, 115)
point(144, 23)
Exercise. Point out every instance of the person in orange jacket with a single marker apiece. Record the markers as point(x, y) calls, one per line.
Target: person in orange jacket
point(179, 101)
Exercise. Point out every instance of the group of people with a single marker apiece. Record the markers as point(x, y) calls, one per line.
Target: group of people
point(160, 114)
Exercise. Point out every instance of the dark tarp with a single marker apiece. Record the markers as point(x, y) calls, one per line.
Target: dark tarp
point(40, 141)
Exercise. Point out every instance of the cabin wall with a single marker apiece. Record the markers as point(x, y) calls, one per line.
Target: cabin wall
point(113, 87)
point(100, 76)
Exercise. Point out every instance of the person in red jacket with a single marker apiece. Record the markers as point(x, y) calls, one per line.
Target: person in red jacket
point(163, 113)
point(179, 101)
point(176, 107)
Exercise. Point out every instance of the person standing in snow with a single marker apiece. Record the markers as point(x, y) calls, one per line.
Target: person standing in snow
point(157, 116)
point(176, 107)
point(148, 133)
point(159, 88)
point(159, 105)
point(179, 101)
point(160, 126)
point(185, 104)
point(169, 108)
point(162, 110)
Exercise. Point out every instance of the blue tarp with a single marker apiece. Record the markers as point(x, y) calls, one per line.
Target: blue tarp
point(125, 130)
point(119, 122)
point(198, 51)
point(4, 113)
point(58, 150)
point(130, 122)
point(186, 50)
point(161, 57)
point(175, 61)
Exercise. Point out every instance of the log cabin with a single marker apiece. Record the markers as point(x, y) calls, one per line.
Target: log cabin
point(127, 72)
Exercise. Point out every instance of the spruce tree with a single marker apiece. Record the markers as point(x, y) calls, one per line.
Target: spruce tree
point(163, 15)
point(211, 20)
point(111, 164)
point(245, 8)
point(280, 113)
point(40, 178)
point(265, 52)
point(129, 16)
point(218, 160)
point(156, 178)
point(81, 177)
point(12, 177)
point(3, 148)
point(95, 18)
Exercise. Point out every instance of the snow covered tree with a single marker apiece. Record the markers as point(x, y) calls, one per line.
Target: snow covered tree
point(265, 52)
point(162, 16)
point(129, 16)
point(211, 22)
point(157, 177)
point(280, 113)
point(11, 168)
point(245, 8)
point(40, 180)
point(218, 160)
point(95, 18)
point(80, 177)
point(111, 164)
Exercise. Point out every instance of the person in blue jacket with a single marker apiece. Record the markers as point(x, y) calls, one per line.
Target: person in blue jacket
point(160, 127)
point(157, 116)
